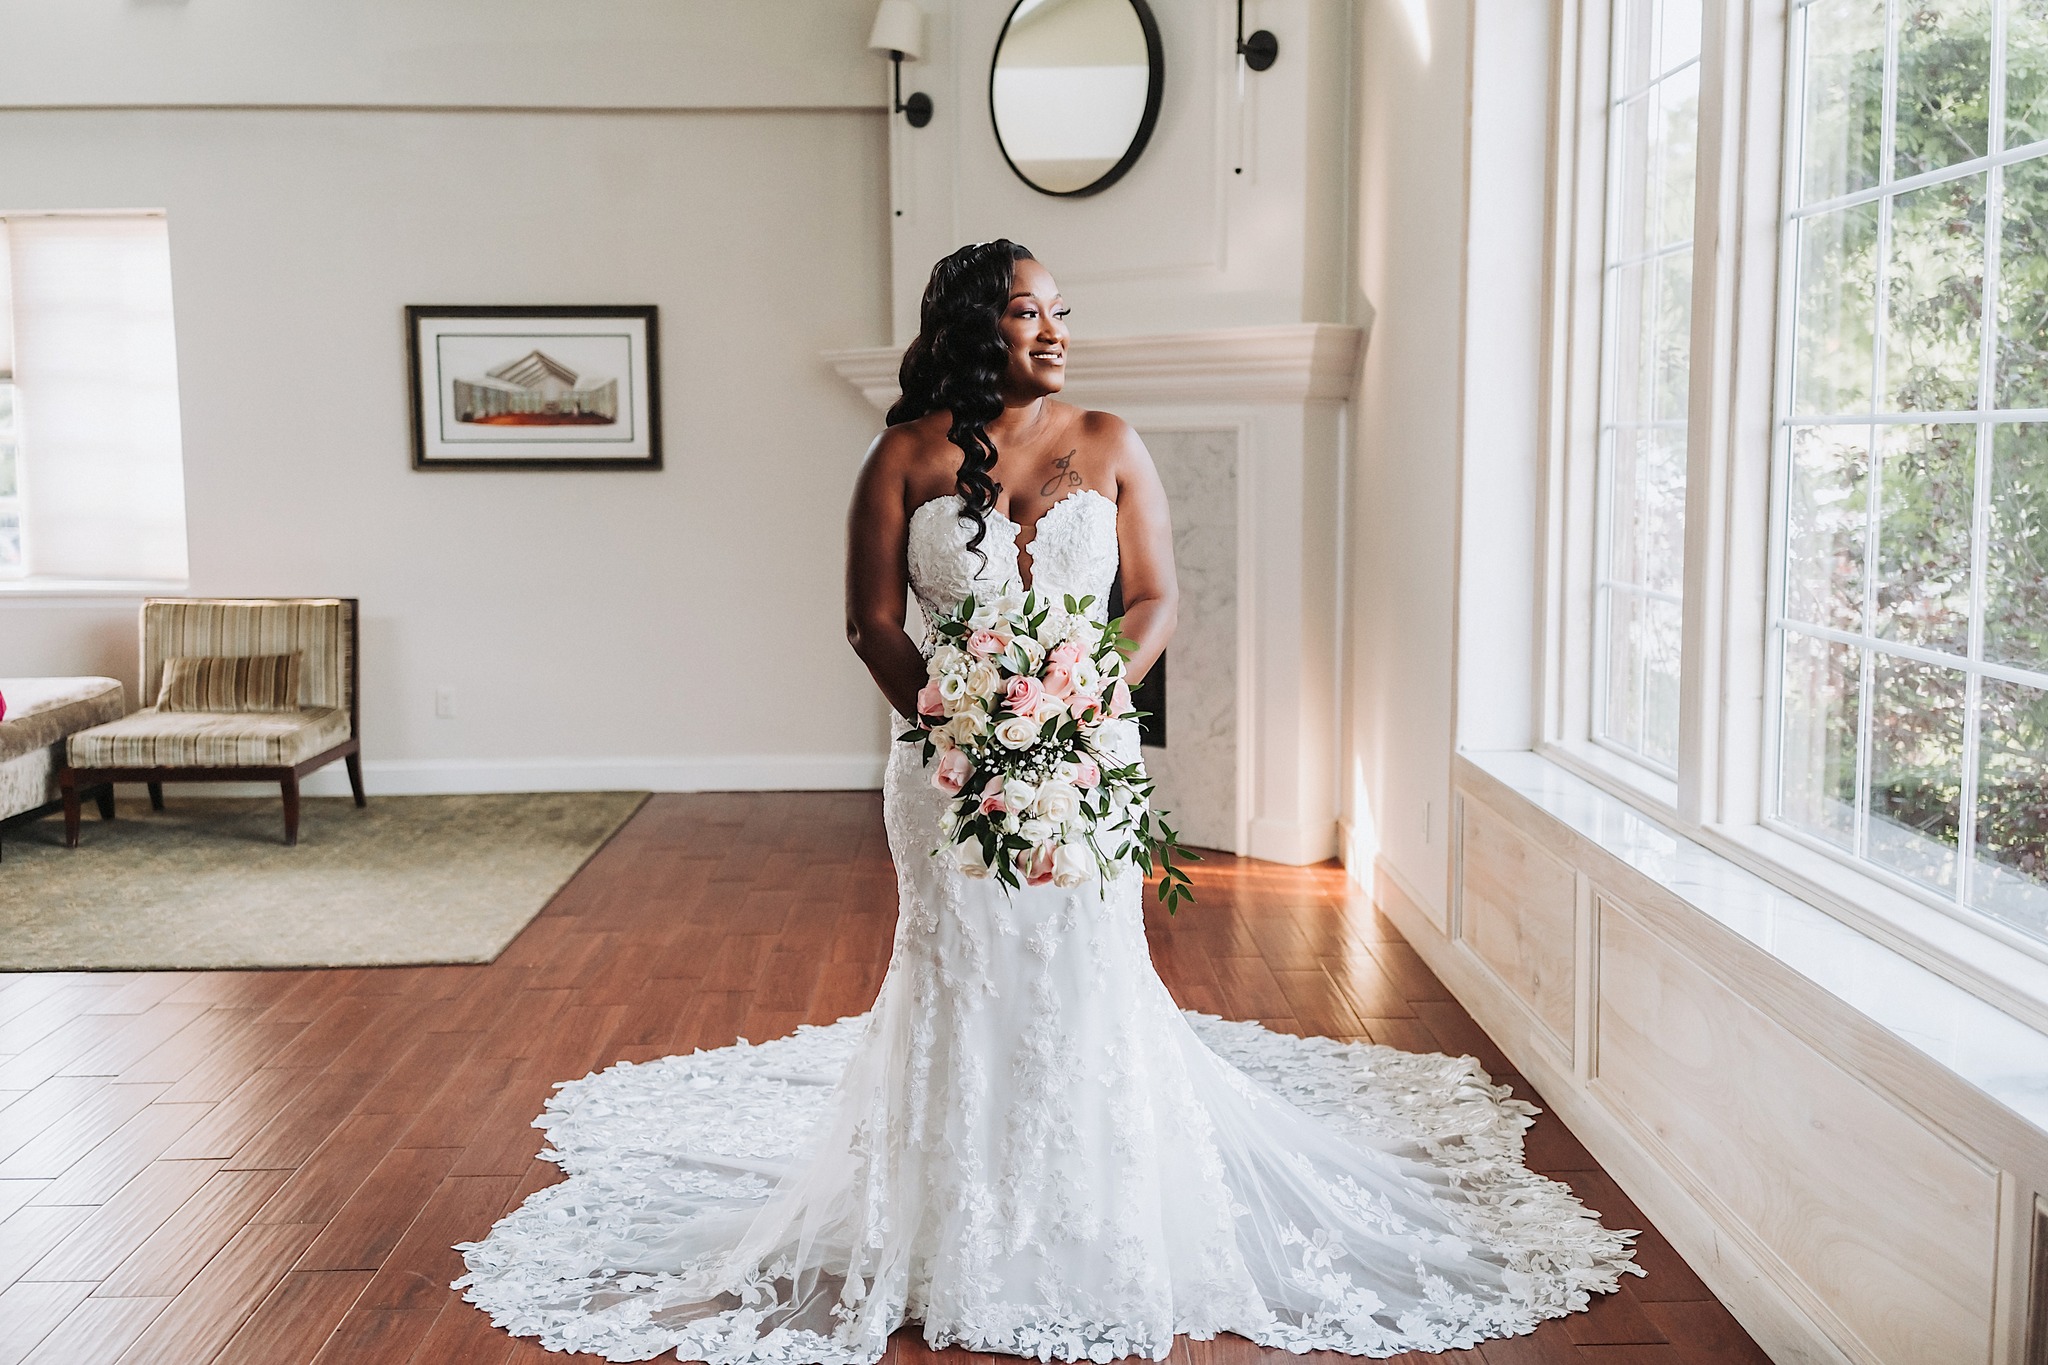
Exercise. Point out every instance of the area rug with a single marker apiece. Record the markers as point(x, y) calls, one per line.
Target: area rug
point(208, 882)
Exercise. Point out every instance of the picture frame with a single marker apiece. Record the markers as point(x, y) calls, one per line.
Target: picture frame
point(534, 386)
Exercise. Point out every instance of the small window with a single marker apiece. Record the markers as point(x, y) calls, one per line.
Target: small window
point(91, 467)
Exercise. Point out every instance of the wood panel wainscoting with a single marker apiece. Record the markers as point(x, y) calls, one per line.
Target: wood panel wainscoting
point(271, 1167)
point(1852, 1200)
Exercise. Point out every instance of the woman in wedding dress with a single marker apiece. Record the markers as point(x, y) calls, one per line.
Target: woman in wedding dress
point(1025, 1146)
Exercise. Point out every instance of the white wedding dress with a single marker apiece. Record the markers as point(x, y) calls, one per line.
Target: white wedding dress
point(1027, 1147)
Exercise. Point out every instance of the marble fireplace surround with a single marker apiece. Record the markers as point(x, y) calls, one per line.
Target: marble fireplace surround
point(1261, 781)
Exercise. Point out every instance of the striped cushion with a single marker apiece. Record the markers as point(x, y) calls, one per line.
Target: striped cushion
point(319, 628)
point(250, 682)
point(154, 738)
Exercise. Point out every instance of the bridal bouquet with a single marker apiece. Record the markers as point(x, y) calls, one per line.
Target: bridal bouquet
point(1014, 711)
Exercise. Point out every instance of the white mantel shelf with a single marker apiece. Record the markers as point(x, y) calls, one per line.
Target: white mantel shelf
point(1291, 363)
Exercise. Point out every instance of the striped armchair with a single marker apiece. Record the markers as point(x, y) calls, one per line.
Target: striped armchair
point(160, 744)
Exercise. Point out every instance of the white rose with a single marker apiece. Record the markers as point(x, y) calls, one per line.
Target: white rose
point(1087, 677)
point(1018, 732)
point(1057, 802)
point(964, 728)
point(952, 688)
point(985, 614)
point(967, 857)
point(945, 659)
point(1038, 831)
point(1011, 602)
point(1072, 864)
point(983, 679)
point(1018, 794)
point(1030, 654)
point(1055, 627)
point(1051, 708)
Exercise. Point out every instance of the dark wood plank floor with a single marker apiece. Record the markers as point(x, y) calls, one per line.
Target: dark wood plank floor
point(270, 1167)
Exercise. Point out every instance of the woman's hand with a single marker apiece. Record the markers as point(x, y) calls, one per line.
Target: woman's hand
point(878, 574)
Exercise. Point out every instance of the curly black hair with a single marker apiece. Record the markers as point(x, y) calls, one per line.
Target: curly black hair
point(957, 363)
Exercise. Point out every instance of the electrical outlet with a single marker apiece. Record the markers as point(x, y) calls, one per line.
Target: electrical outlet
point(444, 703)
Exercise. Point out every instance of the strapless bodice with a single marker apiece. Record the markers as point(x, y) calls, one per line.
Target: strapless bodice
point(1073, 552)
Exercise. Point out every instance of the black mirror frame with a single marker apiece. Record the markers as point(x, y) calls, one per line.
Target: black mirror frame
point(1155, 58)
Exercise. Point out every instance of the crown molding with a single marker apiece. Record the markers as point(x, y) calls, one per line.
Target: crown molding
point(1292, 363)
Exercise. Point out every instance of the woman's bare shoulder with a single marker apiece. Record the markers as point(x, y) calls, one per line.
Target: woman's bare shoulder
point(1112, 443)
point(911, 454)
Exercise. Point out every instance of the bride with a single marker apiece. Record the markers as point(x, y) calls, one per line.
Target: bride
point(1025, 1146)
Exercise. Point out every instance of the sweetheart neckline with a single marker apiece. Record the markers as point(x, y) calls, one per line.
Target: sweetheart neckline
point(1017, 527)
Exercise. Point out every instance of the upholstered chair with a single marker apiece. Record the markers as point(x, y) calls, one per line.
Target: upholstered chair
point(205, 723)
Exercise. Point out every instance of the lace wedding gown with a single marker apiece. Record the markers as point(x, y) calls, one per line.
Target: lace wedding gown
point(1026, 1147)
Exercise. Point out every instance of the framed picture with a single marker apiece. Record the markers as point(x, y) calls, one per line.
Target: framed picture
point(539, 387)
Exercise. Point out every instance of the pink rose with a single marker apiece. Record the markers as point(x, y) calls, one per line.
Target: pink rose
point(984, 642)
point(929, 702)
point(1086, 773)
point(1035, 865)
point(1120, 703)
point(1059, 680)
point(1086, 706)
point(1023, 695)
point(1068, 653)
point(992, 801)
point(953, 771)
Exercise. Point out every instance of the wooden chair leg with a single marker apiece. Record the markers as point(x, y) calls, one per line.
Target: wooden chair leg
point(71, 811)
point(291, 810)
point(354, 763)
point(156, 796)
point(104, 796)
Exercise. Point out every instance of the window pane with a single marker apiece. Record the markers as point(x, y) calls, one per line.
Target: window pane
point(1944, 83)
point(1936, 288)
point(1646, 527)
point(2023, 287)
point(1835, 311)
point(1927, 487)
point(1817, 738)
point(1677, 130)
point(1825, 514)
point(1916, 752)
point(10, 538)
point(2016, 558)
point(2011, 876)
point(2026, 74)
point(1647, 344)
point(1844, 132)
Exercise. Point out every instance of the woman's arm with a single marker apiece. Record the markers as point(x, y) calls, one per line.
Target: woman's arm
point(878, 578)
point(1144, 552)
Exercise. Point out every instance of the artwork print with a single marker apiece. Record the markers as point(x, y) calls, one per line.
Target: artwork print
point(534, 388)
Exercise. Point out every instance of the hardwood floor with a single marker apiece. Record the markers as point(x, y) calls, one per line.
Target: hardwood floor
point(270, 1167)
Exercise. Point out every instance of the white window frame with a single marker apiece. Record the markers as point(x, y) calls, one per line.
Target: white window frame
point(1734, 495)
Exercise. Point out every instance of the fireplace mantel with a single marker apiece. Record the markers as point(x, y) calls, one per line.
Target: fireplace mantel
point(1280, 392)
point(1293, 363)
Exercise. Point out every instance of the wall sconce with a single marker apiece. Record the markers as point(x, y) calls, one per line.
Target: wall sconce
point(1259, 51)
point(899, 31)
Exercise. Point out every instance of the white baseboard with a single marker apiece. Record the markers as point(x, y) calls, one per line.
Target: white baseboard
point(707, 773)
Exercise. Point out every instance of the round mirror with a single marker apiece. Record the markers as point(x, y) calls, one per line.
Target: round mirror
point(1074, 90)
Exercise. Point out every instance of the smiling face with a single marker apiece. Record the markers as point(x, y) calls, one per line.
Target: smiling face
point(1034, 330)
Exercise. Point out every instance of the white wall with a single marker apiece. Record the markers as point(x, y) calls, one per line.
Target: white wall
point(580, 617)
point(1403, 473)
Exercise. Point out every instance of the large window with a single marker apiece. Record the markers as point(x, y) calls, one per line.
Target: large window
point(1911, 638)
point(91, 467)
point(1653, 133)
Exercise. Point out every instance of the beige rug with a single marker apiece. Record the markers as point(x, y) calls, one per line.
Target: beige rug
point(209, 882)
